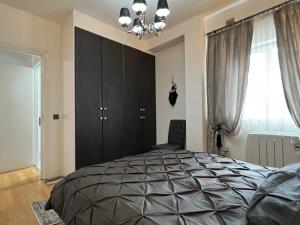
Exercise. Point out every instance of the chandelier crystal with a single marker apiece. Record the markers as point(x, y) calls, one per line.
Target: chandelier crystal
point(139, 26)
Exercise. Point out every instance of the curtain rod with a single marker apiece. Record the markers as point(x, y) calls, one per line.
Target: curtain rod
point(274, 8)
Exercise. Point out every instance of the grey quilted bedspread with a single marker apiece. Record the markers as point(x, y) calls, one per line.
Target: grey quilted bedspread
point(159, 188)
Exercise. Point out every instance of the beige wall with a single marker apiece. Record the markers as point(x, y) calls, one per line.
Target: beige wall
point(69, 95)
point(23, 31)
point(194, 44)
point(169, 62)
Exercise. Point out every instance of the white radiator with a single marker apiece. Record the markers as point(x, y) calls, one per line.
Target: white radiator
point(272, 150)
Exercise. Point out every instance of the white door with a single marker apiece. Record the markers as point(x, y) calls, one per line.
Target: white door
point(19, 108)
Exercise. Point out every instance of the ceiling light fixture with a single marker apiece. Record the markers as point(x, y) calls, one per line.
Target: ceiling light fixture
point(162, 8)
point(125, 18)
point(139, 6)
point(139, 27)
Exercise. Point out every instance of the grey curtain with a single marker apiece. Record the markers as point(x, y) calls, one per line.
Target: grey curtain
point(228, 60)
point(287, 21)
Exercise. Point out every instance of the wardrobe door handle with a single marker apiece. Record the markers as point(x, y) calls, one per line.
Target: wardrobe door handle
point(101, 118)
point(105, 118)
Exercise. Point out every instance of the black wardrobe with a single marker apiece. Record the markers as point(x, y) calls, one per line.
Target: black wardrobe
point(115, 100)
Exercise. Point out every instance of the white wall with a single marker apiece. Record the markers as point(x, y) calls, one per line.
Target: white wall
point(69, 95)
point(169, 62)
point(194, 45)
point(16, 116)
point(26, 32)
point(237, 144)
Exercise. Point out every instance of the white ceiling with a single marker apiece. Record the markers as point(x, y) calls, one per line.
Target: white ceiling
point(108, 10)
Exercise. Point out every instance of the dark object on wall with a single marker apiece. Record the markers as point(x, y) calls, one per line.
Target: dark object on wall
point(115, 101)
point(176, 138)
point(219, 139)
point(173, 94)
point(230, 21)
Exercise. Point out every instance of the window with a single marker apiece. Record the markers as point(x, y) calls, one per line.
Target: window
point(265, 109)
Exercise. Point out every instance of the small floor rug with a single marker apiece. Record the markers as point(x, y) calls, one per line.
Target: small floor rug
point(44, 217)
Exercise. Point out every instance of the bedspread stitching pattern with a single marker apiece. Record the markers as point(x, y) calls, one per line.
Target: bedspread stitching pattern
point(159, 187)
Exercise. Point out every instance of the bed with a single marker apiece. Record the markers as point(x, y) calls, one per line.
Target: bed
point(159, 187)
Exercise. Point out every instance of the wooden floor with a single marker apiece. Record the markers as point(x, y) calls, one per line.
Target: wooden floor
point(17, 190)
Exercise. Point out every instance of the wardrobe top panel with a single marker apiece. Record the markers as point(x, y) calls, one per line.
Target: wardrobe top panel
point(78, 28)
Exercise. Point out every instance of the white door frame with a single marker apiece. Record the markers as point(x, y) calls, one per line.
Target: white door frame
point(43, 94)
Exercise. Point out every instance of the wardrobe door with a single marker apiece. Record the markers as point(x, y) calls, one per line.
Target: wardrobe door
point(147, 101)
point(113, 99)
point(87, 98)
point(132, 128)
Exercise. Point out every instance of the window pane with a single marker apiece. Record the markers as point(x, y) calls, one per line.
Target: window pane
point(265, 109)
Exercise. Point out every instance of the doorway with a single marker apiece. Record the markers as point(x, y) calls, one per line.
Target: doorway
point(20, 110)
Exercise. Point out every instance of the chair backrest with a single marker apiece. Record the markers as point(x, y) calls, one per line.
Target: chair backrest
point(177, 132)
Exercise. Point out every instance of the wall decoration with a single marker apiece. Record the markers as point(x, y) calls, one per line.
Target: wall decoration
point(173, 93)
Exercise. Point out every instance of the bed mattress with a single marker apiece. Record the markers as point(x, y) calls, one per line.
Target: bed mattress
point(159, 188)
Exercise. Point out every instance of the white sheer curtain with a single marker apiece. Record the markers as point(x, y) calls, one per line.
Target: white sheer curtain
point(265, 109)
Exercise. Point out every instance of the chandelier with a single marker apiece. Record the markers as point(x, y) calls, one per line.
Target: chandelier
point(140, 27)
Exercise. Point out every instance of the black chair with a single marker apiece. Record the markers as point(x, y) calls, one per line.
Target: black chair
point(176, 138)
